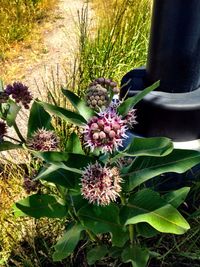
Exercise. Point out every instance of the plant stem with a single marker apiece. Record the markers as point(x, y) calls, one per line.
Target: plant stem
point(92, 236)
point(18, 133)
point(131, 233)
point(12, 138)
point(122, 199)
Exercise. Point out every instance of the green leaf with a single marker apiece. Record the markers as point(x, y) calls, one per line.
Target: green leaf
point(70, 160)
point(115, 252)
point(38, 119)
point(177, 197)
point(146, 230)
point(103, 220)
point(96, 253)
point(52, 169)
point(6, 145)
point(12, 113)
point(130, 102)
point(55, 174)
point(79, 104)
point(51, 156)
point(145, 168)
point(147, 206)
point(64, 114)
point(74, 144)
point(154, 146)
point(38, 206)
point(136, 255)
point(67, 243)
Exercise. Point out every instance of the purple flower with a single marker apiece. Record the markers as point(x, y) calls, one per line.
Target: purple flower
point(43, 140)
point(3, 130)
point(105, 131)
point(106, 83)
point(20, 93)
point(130, 118)
point(97, 97)
point(100, 185)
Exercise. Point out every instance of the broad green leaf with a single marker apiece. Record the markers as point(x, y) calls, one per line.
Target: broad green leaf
point(146, 230)
point(78, 201)
point(6, 145)
point(147, 206)
point(96, 253)
point(177, 197)
point(79, 104)
point(12, 113)
point(38, 206)
point(103, 220)
point(67, 243)
point(115, 252)
point(130, 102)
point(145, 168)
point(136, 255)
point(154, 146)
point(38, 119)
point(52, 169)
point(74, 144)
point(59, 176)
point(64, 114)
point(70, 160)
point(51, 156)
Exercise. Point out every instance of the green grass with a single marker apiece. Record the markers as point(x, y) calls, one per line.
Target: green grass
point(17, 18)
point(119, 42)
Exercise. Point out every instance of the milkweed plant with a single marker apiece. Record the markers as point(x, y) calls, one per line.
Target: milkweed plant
point(100, 177)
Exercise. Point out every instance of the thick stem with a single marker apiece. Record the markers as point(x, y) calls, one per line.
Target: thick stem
point(18, 133)
point(131, 233)
point(123, 199)
point(92, 236)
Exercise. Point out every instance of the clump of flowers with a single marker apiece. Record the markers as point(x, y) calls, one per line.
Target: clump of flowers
point(20, 93)
point(106, 83)
point(3, 130)
point(100, 93)
point(130, 118)
point(100, 185)
point(105, 131)
point(97, 97)
point(43, 140)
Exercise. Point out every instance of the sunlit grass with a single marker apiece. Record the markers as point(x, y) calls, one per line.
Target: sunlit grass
point(17, 19)
point(119, 42)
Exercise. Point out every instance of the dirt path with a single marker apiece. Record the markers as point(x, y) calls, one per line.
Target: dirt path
point(59, 44)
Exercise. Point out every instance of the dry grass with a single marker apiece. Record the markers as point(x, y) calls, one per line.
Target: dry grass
point(17, 19)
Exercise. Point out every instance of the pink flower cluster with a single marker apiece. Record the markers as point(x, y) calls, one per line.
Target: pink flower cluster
point(100, 185)
point(105, 131)
point(43, 140)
